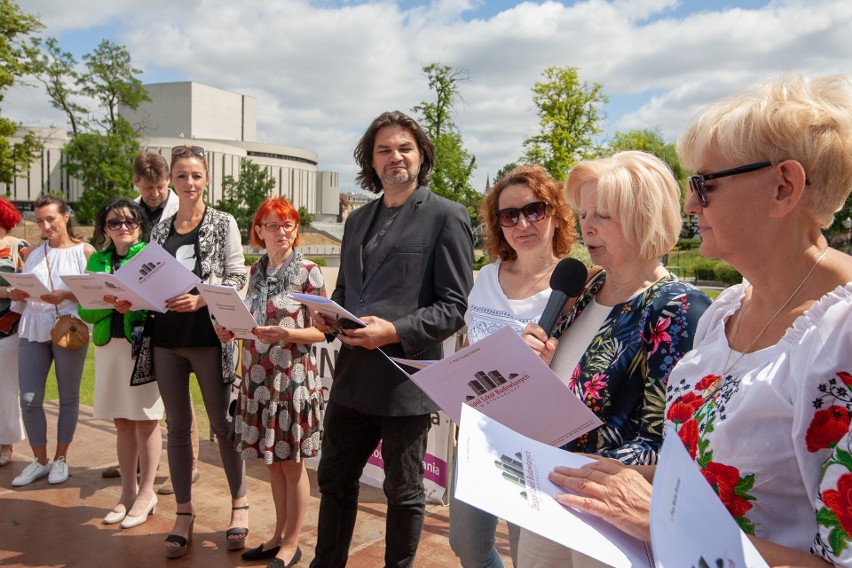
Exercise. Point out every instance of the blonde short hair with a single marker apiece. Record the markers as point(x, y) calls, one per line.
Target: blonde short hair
point(640, 191)
point(794, 117)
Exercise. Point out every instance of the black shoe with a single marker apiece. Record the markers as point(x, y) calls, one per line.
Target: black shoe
point(260, 554)
point(278, 563)
point(111, 472)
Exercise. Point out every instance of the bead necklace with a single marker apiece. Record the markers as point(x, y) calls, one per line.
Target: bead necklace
point(728, 368)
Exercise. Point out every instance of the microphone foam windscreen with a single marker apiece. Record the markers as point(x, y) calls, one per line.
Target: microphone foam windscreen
point(569, 277)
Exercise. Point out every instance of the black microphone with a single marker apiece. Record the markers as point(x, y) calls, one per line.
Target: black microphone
point(567, 280)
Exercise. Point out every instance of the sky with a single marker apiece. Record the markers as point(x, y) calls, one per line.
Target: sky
point(321, 70)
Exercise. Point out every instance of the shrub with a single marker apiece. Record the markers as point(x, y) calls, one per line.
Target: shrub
point(726, 273)
point(318, 260)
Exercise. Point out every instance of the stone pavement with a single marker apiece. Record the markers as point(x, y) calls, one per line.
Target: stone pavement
point(60, 525)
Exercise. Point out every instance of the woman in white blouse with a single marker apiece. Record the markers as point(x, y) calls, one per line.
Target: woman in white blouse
point(529, 228)
point(62, 252)
point(763, 402)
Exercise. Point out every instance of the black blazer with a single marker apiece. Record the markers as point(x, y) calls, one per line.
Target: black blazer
point(419, 278)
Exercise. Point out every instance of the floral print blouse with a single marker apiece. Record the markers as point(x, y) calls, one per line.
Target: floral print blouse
point(771, 436)
point(622, 375)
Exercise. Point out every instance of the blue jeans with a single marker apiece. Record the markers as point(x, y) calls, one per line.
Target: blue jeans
point(472, 535)
point(34, 360)
point(349, 439)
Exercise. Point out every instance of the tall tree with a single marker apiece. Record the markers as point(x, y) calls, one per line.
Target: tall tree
point(570, 113)
point(648, 140)
point(103, 144)
point(17, 54)
point(242, 196)
point(454, 165)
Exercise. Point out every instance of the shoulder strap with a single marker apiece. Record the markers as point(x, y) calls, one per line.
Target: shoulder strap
point(593, 272)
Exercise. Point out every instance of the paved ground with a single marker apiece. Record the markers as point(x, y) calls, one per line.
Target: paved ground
point(59, 525)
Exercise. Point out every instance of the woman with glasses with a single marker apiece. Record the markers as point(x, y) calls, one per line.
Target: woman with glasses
point(528, 229)
point(62, 252)
point(617, 345)
point(763, 403)
point(183, 341)
point(280, 406)
point(136, 411)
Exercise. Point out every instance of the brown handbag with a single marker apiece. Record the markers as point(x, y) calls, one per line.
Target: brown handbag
point(69, 332)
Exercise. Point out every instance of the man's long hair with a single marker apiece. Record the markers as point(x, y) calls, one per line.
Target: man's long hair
point(367, 178)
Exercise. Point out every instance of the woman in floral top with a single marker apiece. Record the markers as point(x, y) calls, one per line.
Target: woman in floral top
point(616, 347)
point(763, 403)
point(280, 406)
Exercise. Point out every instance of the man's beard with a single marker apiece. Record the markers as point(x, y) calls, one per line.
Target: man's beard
point(402, 177)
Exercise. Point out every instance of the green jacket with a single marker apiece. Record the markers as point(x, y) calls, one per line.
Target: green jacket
point(102, 262)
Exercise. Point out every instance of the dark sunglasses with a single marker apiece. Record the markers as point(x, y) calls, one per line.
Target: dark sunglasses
point(696, 183)
point(186, 150)
point(534, 212)
point(117, 224)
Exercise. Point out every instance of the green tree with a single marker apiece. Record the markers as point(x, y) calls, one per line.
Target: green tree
point(18, 51)
point(103, 144)
point(570, 114)
point(651, 141)
point(454, 165)
point(305, 217)
point(242, 196)
point(505, 170)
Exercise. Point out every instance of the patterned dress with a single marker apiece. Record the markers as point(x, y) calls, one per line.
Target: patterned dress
point(771, 436)
point(280, 405)
point(622, 375)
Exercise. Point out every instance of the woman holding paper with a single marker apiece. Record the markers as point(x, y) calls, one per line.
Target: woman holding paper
point(61, 253)
point(763, 403)
point(280, 406)
point(529, 228)
point(183, 340)
point(13, 251)
point(136, 411)
point(617, 345)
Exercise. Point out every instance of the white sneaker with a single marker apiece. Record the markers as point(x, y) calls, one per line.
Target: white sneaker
point(58, 472)
point(31, 473)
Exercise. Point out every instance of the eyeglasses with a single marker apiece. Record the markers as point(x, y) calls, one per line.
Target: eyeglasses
point(696, 183)
point(187, 150)
point(534, 212)
point(273, 226)
point(117, 224)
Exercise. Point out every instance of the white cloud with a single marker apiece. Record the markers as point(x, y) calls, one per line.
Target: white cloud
point(322, 70)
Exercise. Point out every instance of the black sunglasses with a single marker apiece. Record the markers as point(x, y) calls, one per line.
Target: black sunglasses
point(534, 212)
point(117, 224)
point(696, 183)
point(187, 150)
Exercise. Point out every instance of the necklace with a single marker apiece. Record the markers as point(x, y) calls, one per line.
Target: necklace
point(728, 368)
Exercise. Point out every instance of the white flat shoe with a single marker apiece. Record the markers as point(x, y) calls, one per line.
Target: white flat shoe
point(115, 516)
point(32, 472)
point(130, 522)
point(58, 472)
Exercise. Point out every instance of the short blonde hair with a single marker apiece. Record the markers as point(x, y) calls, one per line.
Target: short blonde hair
point(794, 117)
point(640, 191)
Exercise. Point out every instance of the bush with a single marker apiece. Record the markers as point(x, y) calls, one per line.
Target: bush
point(318, 260)
point(252, 258)
point(704, 269)
point(688, 244)
point(726, 273)
point(479, 260)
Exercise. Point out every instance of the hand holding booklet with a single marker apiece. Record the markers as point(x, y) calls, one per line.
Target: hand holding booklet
point(28, 283)
point(228, 310)
point(331, 310)
point(147, 280)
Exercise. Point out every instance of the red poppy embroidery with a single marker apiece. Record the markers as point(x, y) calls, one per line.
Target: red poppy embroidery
point(725, 479)
point(684, 407)
point(840, 501)
point(846, 378)
point(707, 381)
point(827, 427)
point(688, 434)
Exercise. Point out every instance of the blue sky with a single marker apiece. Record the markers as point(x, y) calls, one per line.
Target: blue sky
point(322, 70)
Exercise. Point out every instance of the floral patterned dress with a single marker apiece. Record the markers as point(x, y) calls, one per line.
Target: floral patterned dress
point(280, 405)
point(622, 375)
point(771, 436)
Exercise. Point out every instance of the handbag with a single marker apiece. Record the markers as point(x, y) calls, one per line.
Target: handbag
point(69, 332)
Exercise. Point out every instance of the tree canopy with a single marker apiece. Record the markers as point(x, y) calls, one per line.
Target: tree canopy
point(18, 50)
point(242, 196)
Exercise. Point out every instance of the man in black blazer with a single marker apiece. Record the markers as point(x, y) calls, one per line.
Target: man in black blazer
point(406, 272)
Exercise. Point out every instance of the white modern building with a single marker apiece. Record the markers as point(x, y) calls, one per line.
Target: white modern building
point(224, 123)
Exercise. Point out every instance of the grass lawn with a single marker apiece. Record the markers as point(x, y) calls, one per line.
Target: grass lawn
point(87, 392)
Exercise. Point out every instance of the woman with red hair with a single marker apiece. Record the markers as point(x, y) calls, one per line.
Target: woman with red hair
point(280, 406)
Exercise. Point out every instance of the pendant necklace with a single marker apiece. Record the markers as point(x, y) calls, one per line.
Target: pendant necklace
point(728, 368)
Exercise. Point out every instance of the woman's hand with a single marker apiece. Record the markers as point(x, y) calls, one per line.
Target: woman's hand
point(322, 324)
point(610, 490)
point(57, 297)
point(186, 303)
point(537, 339)
point(271, 333)
point(121, 306)
point(18, 295)
point(225, 335)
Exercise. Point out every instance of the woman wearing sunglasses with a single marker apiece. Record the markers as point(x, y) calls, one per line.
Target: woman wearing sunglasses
point(183, 341)
point(616, 347)
point(763, 403)
point(136, 411)
point(529, 227)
